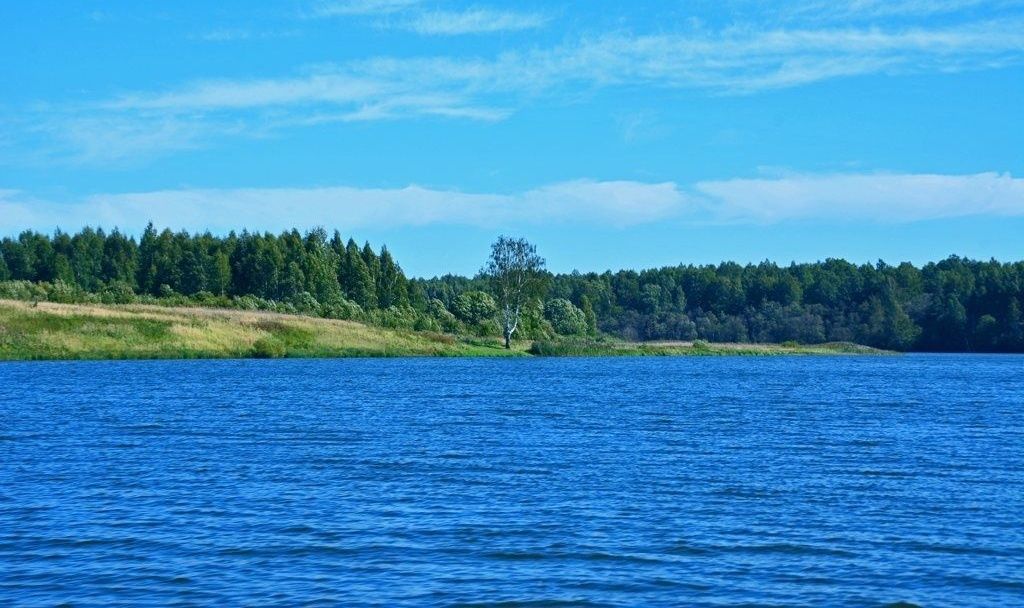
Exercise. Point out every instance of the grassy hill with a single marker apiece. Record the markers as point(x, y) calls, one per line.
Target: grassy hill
point(47, 330)
point(76, 331)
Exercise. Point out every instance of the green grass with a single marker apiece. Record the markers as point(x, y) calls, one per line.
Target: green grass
point(604, 348)
point(71, 331)
point(134, 331)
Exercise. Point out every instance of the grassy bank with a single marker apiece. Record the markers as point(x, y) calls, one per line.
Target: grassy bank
point(133, 331)
point(76, 331)
point(603, 348)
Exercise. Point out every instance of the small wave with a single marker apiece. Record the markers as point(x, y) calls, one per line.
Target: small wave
point(877, 473)
point(791, 549)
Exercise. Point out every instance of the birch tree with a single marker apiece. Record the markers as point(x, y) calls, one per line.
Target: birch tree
point(516, 275)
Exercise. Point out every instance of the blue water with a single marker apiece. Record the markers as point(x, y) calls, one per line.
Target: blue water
point(859, 481)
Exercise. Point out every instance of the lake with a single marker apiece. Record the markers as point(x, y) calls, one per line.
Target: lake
point(859, 481)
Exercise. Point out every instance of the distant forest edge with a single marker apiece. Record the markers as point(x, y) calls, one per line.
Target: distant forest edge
point(953, 305)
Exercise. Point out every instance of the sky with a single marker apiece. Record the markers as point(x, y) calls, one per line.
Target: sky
point(611, 134)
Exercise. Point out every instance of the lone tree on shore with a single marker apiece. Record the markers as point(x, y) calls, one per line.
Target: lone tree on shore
point(516, 275)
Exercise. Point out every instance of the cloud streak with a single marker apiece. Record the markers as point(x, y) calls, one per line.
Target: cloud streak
point(884, 198)
point(617, 203)
point(872, 197)
point(737, 60)
point(473, 21)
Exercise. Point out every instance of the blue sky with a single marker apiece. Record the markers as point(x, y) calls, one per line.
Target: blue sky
point(612, 134)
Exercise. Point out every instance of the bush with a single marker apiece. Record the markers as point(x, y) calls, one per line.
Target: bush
point(64, 293)
point(565, 318)
point(253, 303)
point(395, 318)
point(342, 309)
point(475, 307)
point(118, 292)
point(426, 323)
point(305, 302)
point(21, 290)
point(267, 348)
point(532, 324)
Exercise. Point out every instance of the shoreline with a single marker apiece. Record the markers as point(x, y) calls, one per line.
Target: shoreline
point(47, 331)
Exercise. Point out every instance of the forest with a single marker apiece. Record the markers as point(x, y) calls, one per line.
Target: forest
point(955, 305)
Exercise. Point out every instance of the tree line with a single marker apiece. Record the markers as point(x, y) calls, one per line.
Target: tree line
point(953, 305)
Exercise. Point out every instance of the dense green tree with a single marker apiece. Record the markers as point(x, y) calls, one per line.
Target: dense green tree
point(516, 276)
point(120, 259)
point(589, 316)
point(475, 307)
point(392, 288)
point(565, 318)
point(949, 305)
point(359, 284)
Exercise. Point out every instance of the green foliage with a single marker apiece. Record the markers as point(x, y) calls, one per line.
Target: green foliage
point(515, 274)
point(589, 316)
point(444, 319)
point(532, 324)
point(118, 292)
point(938, 307)
point(565, 318)
point(952, 305)
point(267, 348)
point(475, 308)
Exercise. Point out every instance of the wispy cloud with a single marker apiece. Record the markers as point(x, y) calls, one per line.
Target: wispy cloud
point(337, 8)
point(885, 198)
point(874, 197)
point(415, 16)
point(876, 9)
point(473, 21)
point(736, 60)
point(618, 203)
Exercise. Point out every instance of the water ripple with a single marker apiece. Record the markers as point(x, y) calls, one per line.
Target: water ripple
point(566, 482)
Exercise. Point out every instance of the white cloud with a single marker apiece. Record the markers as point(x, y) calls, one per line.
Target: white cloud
point(338, 8)
point(617, 203)
point(875, 9)
point(872, 197)
point(473, 21)
point(736, 60)
point(893, 198)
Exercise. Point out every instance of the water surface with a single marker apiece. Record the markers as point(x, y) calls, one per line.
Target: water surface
point(857, 481)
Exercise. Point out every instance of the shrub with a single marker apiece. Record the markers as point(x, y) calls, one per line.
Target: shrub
point(394, 317)
point(21, 290)
point(342, 309)
point(64, 293)
point(267, 348)
point(445, 319)
point(565, 318)
point(118, 292)
point(475, 307)
point(532, 324)
point(426, 323)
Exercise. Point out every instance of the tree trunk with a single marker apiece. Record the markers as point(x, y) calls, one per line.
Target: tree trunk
point(508, 340)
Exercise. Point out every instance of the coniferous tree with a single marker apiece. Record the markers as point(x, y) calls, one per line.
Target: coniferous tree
point(120, 260)
point(360, 285)
point(146, 280)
